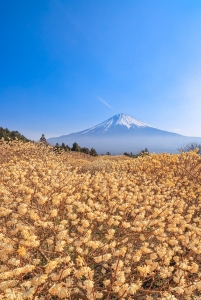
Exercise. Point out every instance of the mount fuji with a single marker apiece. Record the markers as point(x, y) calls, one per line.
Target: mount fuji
point(122, 133)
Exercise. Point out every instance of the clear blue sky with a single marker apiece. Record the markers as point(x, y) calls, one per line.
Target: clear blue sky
point(68, 65)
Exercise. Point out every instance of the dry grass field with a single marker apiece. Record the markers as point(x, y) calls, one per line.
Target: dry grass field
point(73, 226)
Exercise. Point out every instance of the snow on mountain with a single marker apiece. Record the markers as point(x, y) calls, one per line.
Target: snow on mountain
point(122, 133)
point(120, 119)
point(126, 120)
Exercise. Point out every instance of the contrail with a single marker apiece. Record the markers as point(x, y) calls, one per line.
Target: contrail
point(104, 102)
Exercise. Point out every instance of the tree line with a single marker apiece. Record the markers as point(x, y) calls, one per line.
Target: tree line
point(58, 148)
point(8, 135)
point(75, 148)
point(141, 153)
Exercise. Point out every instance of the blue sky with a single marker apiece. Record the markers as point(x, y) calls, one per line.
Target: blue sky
point(68, 65)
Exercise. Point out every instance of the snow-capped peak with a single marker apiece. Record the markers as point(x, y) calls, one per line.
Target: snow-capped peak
point(128, 121)
point(120, 119)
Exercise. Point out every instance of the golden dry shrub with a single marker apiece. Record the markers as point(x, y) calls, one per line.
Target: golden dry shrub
point(130, 229)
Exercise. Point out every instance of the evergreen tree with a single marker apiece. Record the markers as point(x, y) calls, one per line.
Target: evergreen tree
point(63, 146)
point(93, 152)
point(143, 152)
point(108, 153)
point(85, 150)
point(56, 147)
point(43, 139)
point(76, 147)
point(11, 135)
point(68, 148)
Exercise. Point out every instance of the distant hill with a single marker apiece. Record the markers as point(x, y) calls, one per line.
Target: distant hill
point(122, 133)
point(12, 135)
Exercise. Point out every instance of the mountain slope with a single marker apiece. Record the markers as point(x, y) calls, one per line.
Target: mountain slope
point(116, 123)
point(122, 133)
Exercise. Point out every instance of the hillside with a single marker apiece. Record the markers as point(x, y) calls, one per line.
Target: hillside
point(11, 135)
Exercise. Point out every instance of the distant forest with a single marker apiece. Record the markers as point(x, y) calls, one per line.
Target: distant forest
point(75, 148)
point(11, 135)
point(8, 135)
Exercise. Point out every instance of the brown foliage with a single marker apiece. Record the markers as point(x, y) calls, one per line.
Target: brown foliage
point(80, 227)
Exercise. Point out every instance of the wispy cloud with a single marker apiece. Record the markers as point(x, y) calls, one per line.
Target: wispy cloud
point(104, 102)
